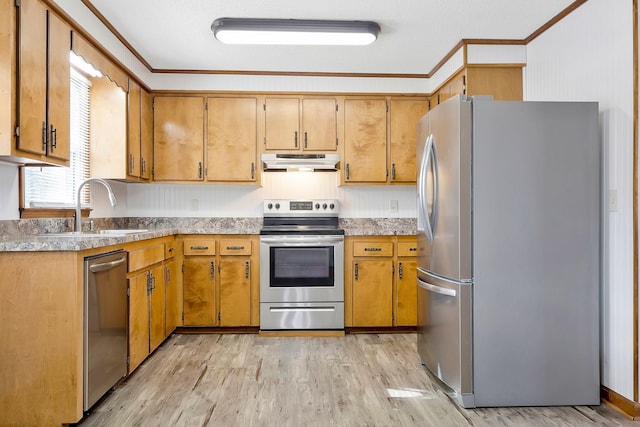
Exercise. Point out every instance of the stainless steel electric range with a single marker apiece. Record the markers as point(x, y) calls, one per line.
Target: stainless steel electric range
point(301, 266)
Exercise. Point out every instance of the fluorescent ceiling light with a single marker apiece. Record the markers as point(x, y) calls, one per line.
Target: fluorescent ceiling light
point(79, 63)
point(294, 31)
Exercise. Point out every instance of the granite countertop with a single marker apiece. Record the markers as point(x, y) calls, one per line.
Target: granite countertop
point(27, 236)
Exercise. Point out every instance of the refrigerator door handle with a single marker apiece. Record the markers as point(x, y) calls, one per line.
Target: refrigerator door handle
point(429, 160)
point(437, 289)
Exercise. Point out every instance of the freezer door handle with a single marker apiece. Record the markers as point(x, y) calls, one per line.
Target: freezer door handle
point(437, 289)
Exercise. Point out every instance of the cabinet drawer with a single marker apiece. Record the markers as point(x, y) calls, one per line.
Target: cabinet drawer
point(372, 249)
point(169, 249)
point(407, 248)
point(235, 247)
point(199, 247)
point(143, 257)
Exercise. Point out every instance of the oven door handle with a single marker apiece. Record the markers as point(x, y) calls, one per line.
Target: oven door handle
point(285, 241)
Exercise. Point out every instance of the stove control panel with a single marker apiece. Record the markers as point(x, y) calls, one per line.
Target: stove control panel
point(311, 207)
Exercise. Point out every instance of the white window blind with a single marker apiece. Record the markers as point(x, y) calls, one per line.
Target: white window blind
point(55, 187)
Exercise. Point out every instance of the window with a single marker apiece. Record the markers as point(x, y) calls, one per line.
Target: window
point(55, 187)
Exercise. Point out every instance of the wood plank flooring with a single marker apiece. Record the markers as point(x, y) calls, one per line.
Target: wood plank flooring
point(355, 380)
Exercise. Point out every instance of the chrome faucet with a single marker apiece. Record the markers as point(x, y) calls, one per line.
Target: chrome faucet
point(112, 199)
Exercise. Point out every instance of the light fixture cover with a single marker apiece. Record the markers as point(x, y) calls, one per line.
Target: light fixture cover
point(294, 31)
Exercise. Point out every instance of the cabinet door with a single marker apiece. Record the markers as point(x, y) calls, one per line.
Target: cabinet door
point(372, 292)
point(365, 139)
point(59, 88)
point(235, 291)
point(199, 291)
point(146, 134)
point(172, 301)
point(231, 135)
point(33, 77)
point(138, 320)
point(282, 123)
point(406, 293)
point(403, 118)
point(178, 137)
point(319, 125)
point(157, 308)
point(133, 131)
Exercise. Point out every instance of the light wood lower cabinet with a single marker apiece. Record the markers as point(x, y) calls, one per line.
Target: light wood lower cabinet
point(380, 281)
point(220, 280)
point(147, 299)
point(406, 290)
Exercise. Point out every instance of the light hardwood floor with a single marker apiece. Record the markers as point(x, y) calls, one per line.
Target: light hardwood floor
point(356, 380)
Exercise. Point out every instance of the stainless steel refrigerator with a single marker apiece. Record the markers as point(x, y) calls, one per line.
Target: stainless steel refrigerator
point(509, 208)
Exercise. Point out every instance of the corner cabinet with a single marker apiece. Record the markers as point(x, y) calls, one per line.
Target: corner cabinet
point(178, 138)
point(220, 280)
point(502, 82)
point(44, 41)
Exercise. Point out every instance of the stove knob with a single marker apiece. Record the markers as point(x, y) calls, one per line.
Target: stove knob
point(324, 206)
point(317, 205)
point(331, 206)
point(277, 205)
point(270, 206)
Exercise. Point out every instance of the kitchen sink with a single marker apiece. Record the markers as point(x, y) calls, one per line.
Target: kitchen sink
point(96, 233)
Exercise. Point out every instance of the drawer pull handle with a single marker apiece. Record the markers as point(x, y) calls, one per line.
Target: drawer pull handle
point(246, 269)
point(199, 248)
point(372, 249)
point(235, 248)
point(355, 268)
point(170, 250)
point(400, 270)
point(212, 271)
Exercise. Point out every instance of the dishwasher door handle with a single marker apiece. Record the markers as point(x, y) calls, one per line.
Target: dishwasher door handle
point(104, 266)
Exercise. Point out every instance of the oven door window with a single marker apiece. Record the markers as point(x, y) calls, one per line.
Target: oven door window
point(301, 266)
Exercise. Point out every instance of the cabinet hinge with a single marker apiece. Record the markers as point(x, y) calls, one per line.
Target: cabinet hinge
point(206, 106)
point(336, 107)
point(153, 171)
point(17, 132)
point(387, 173)
point(218, 316)
point(264, 107)
point(393, 317)
point(387, 106)
point(336, 142)
point(265, 141)
point(183, 268)
point(128, 361)
point(153, 105)
point(183, 317)
point(393, 270)
point(128, 292)
point(206, 171)
point(218, 267)
point(17, 3)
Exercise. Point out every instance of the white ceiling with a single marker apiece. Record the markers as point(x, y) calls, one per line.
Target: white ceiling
point(415, 34)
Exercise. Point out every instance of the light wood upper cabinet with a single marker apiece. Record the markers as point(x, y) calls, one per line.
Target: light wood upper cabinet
point(365, 140)
point(134, 165)
point(403, 118)
point(300, 124)
point(319, 124)
point(43, 132)
point(178, 138)
point(503, 83)
point(231, 139)
point(146, 134)
point(140, 133)
point(282, 123)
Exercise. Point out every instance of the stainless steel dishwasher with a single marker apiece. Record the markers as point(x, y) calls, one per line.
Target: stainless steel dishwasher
point(105, 323)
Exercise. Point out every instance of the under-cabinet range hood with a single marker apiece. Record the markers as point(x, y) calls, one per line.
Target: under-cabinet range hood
point(303, 162)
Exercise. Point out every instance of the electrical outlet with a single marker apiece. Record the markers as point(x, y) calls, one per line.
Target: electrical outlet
point(613, 200)
point(393, 205)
